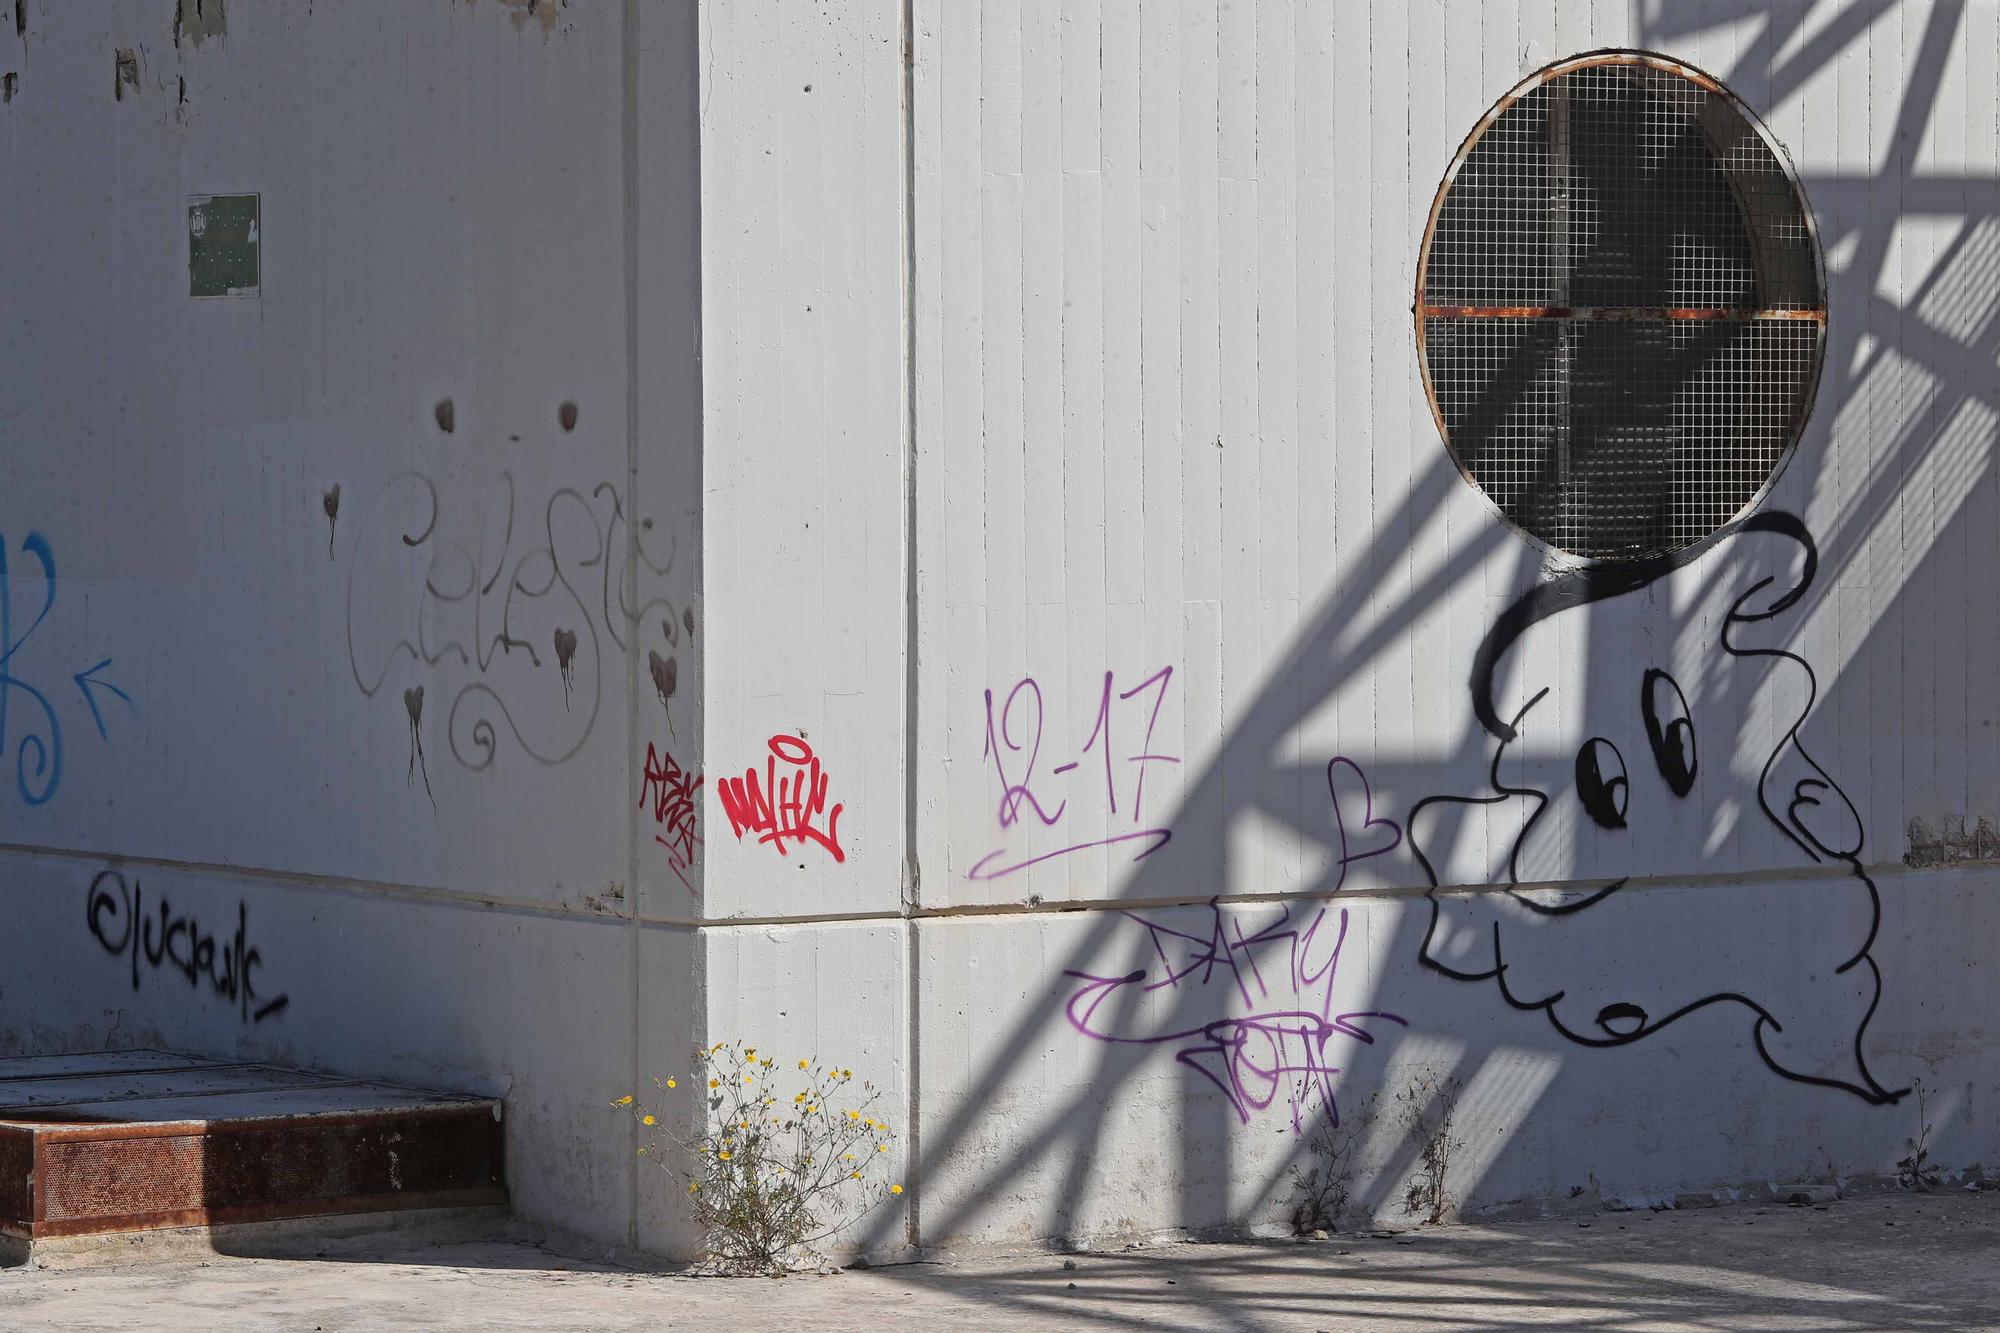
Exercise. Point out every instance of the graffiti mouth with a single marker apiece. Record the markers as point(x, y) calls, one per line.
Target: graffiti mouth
point(1622, 1020)
point(1573, 905)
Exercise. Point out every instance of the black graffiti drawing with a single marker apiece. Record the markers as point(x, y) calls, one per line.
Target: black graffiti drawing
point(1342, 772)
point(163, 940)
point(1529, 942)
point(482, 606)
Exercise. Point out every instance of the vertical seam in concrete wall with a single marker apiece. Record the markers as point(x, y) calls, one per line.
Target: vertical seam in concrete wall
point(912, 867)
point(629, 147)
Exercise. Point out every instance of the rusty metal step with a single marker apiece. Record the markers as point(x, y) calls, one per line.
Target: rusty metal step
point(143, 1140)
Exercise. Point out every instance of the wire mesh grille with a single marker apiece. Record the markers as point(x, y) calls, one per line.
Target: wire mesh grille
point(1622, 312)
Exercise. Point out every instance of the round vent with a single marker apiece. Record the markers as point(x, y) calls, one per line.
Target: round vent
point(1620, 307)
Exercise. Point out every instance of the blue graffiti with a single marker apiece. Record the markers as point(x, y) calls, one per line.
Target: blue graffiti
point(39, 761)
point(86, 680)
point(46, 751)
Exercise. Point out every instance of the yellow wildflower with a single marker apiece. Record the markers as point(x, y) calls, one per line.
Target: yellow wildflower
point(881, 1147)
point(854, 1175)
point(646, 1120)
point(746, 1078)
point(854, 1115)
point(672, 1084)
point(810, 1108)
point(796, 1100)
point(750, 1054)
point(895, 1189)
point(715, 1083)
point(847, 1073)
point(694, 1187)
point(848, 1157)
point(724, 1154)
point(802, 1064)
point(626, 1100)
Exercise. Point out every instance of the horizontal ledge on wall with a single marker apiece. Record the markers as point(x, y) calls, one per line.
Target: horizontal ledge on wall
point(1056, 907)
point(460, 898)
point(419, 893)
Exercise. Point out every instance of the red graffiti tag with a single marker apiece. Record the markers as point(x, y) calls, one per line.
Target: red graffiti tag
point(670, 792)
point(785, 804)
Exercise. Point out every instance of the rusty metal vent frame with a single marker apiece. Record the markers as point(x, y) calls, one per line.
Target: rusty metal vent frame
point(1620, 307)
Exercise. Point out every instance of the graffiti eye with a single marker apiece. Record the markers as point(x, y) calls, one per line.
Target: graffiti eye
point(1600, 782)
point(1669, 729)
point(1622, 1020)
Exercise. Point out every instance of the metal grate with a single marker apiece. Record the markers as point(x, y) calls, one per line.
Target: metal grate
point(1620, 311)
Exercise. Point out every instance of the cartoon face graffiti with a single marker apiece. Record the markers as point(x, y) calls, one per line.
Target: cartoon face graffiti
point(1621, 751)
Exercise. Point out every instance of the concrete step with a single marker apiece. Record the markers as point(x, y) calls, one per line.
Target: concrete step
point(131, 1141)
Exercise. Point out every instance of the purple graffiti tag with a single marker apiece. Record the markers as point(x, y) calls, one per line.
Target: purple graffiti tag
point(1286, 1045)
point(1163, 677)
point(1014, 737)
point(985, 868)
point(1102, 728)
point(1012, 793)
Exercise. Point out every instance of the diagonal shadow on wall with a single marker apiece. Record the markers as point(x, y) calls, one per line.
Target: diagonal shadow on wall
point(1347, 633)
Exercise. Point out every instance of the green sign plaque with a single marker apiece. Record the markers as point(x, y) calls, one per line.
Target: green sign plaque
point(222, 245)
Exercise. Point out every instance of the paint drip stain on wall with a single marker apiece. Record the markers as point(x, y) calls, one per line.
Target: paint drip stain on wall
point(1949, 841)
point(672, 632)
point(413, 704)
point(329, 501)
point(125, 74)
point(199, 20)
point(666, 673)
point(565, 659)
point(544, 12)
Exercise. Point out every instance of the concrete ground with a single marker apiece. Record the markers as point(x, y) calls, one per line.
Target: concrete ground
point(1904, 1261)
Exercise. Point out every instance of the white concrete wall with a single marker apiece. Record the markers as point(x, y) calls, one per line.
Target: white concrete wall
point(1056, 351)
point(461, 203)
point(1169, 433)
